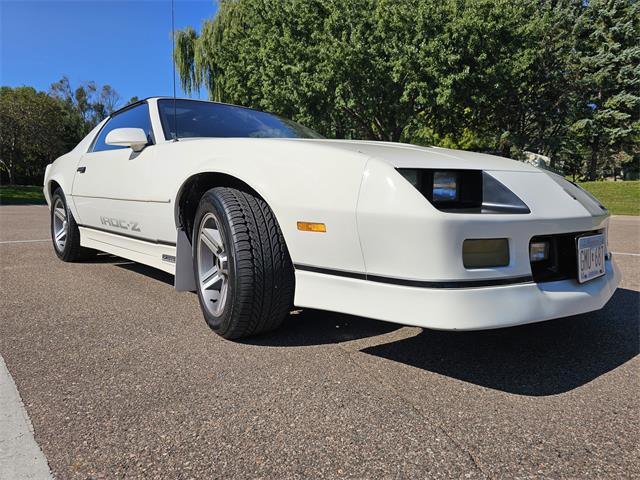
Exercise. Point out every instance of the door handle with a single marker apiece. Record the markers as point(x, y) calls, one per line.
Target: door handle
point(82, 169)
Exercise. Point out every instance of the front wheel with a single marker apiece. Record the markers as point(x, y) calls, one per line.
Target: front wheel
point(65, 234)
point(242, 266)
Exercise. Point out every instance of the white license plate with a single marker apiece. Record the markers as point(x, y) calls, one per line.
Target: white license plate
point(590, 257)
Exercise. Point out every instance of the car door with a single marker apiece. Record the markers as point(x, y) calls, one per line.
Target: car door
point(113, 188)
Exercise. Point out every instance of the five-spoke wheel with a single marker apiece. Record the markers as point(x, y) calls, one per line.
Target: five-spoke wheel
point(213, 264)
point(60, 225)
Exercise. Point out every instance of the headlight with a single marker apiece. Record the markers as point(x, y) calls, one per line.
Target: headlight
point(464, 191)
point(445, 186)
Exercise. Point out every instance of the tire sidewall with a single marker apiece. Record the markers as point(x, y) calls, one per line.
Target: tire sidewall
point(210, 203)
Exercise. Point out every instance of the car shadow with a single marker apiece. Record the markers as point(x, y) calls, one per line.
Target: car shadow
point(147, 271)
point(317, 327)
point(540, 359)
point(102, 257)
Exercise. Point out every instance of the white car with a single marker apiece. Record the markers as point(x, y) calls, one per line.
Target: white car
point(259, 214)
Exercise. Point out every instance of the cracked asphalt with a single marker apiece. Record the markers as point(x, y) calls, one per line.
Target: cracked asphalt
point(122, 378)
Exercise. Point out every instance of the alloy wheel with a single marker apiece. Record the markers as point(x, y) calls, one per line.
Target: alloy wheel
point(213, 265)
point(60, 224)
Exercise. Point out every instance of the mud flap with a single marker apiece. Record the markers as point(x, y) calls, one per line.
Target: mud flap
point(184, 279)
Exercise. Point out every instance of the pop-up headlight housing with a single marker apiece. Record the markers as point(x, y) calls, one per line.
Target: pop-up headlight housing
point(464, 191)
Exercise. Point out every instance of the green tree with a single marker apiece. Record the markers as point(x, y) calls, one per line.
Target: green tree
point(491, 74)
point(460, 72)
point(606, 68)
point(93, 103)
point(31, 132)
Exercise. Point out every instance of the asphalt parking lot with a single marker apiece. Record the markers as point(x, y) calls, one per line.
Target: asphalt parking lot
point(122, 378)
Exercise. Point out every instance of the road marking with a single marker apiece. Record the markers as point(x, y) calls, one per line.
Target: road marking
point(20, 455)
point(628, 254)
point(24, 241)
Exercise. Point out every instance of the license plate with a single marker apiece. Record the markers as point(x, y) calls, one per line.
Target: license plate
point(590, 257)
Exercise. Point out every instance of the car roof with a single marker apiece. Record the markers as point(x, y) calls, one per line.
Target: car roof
point(145, 100)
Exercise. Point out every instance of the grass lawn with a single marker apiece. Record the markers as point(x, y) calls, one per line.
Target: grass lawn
point(621, 198)
point(20, 194)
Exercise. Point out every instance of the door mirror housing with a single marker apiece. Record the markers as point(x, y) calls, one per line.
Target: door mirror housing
point(127, 137)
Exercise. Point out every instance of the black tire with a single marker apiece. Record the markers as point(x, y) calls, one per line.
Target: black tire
point(261, 280)
point(71, 251)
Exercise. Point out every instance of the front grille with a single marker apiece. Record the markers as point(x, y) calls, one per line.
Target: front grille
point(562, 263)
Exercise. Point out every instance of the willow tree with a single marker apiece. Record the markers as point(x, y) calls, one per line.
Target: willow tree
point(201, 60)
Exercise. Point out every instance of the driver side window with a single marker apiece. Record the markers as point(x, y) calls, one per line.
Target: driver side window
point(136, 117)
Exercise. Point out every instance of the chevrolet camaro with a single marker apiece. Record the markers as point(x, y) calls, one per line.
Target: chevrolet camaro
point(260, 215)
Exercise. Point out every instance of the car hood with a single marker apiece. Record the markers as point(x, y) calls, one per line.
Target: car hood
point(398, 155)
point(403, 155)
point(539, 189)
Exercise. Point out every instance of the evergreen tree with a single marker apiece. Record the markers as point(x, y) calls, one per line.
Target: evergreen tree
point(606, 69)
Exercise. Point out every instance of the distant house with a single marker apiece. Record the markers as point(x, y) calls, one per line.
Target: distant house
point(537, 160)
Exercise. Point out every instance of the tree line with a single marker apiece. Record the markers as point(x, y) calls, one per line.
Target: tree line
point(560, 78)
point(37, 127)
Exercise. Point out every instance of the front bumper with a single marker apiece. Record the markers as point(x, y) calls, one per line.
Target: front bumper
point(457, 308)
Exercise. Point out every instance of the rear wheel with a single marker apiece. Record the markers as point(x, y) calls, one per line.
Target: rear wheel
point(242, 266)
point(64, 230)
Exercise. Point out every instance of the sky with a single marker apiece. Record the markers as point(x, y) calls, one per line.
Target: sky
point(126, 44)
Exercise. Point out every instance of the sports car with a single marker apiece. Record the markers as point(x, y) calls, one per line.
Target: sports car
point(260, 215)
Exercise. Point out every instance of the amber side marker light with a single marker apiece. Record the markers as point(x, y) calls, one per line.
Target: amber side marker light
point(312, 227)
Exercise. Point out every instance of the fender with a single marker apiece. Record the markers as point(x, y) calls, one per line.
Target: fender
point(184, 280)
point(300, 183)
point(226, 173)
point(57, 177)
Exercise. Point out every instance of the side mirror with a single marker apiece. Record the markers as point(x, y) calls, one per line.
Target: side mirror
point(127, 137)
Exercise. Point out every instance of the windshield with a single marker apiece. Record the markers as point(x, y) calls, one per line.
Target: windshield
point(207, 119)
